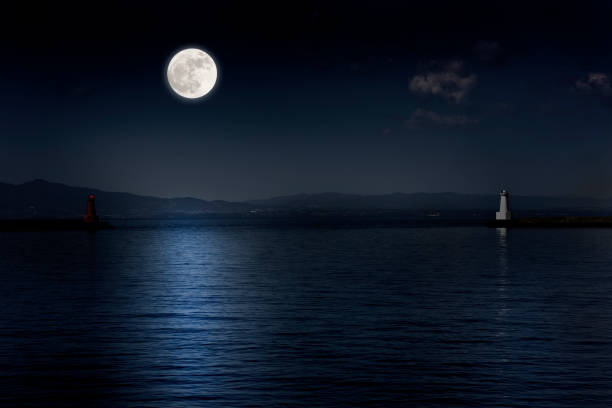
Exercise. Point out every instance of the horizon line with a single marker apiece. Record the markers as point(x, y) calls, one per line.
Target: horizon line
point(574, 196)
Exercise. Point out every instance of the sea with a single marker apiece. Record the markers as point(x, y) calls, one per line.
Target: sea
point(236, 312)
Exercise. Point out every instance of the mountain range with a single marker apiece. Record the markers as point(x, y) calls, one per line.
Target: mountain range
point(40, 198)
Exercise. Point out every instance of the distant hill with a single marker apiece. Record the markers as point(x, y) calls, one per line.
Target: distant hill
point(431, 202)
point(40, 198)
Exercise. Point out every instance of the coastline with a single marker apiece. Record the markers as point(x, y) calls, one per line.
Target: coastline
point(51, 224)
point(553, 222)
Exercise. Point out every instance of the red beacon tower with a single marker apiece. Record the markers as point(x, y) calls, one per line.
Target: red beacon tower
point(91, 217)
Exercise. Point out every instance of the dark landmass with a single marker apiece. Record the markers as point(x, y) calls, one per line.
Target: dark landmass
point(53, 224)
point(554, 222)
point(432, 202)
point(42, 199)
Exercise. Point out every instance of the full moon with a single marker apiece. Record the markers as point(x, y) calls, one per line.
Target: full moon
point(192, 73)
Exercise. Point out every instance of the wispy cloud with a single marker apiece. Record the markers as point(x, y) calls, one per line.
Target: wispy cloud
point(423, 118)
point(447, 82)
point(595, 83)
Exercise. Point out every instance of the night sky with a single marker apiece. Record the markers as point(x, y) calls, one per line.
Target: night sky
point(366, 97)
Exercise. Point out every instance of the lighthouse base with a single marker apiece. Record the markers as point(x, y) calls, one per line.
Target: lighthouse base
point(503, 215)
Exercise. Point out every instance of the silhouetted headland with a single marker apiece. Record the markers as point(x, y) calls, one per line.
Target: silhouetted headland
point(504, 219)
point(553, 222)
point(89, 222)
point(50, 224)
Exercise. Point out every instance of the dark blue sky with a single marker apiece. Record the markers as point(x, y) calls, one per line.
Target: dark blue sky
point(363, 98)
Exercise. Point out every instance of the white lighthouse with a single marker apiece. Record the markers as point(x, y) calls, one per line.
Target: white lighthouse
point(504, 211)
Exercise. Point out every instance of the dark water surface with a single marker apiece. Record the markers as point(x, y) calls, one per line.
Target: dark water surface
point(212, 313)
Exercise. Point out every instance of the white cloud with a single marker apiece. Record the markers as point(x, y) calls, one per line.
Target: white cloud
point(447, 82)
point(595, 83)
